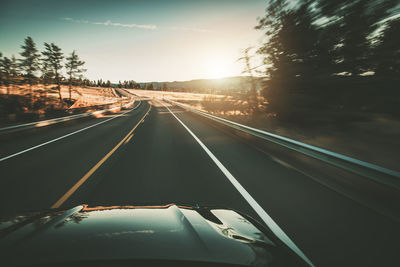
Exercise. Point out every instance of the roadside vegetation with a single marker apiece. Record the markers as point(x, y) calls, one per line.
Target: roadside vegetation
point(47, 84)
point(323, 61)
point(330, 77)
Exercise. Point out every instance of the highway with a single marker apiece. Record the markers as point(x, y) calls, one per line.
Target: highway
point(151, 154)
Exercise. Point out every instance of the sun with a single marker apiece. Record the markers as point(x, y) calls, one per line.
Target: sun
point(217, 68)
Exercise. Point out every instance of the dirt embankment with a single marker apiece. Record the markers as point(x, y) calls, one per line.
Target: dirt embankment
point(23, 103)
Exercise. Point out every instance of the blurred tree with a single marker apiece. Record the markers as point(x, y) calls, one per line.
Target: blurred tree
point(29, 64)
point(47, 72)
point(351, 29)
point(108, 84)
point(387, 51)
point(252, 95)
point(5, 65)
point(1, 71)
point(150, 86)
point(289, 54)
point(74, 69)
point(318, 51)
point(9, 70)
point(53, 57)
point(165, 87)
point(14, 71)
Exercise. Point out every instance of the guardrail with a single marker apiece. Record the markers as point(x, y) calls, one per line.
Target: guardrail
point(374, 172)
point(61, 119)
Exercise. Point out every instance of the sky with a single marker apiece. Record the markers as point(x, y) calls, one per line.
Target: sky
point(165, 40)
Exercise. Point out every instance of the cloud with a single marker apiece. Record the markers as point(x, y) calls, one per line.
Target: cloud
point(76, 21)
point(117, 24)
point(139, 26)
point(188, 29)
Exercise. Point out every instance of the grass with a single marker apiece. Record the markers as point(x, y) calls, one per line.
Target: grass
point(18, 107)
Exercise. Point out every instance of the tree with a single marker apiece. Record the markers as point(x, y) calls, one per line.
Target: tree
point(387, 51)
point(53, 57)
point(289, 54)
point(74, 69)
point(9, 70)
point(252, 95)
point(47, 76)
point(150, 86)
point(5, 65)
point(29, 64)
point(14, 71)
point(165, 87)
point(1, 71)
point(353, 24)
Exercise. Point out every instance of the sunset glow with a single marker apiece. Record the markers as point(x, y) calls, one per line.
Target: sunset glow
point(120, 40)
point(219, 69)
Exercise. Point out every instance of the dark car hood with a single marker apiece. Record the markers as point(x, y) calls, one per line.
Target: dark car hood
point(171, 232)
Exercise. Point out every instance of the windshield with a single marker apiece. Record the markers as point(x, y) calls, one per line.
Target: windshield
point(284, 110)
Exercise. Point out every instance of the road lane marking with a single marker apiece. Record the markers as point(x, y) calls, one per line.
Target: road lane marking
point(64, 136)
point(95, 167)
point(129, 138)
point(246, 195)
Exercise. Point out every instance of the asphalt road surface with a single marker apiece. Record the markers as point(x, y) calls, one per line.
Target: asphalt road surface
point(147, 156)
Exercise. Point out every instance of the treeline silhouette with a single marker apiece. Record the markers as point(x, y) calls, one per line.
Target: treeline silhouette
point(44, 68)
point(107, 84)
point(326, 57)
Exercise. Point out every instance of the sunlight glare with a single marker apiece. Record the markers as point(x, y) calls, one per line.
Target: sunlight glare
point(218, 69)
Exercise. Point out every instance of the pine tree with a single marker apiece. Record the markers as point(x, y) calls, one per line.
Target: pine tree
point(30, 62)
point(9, 72)
point(47, 76)
point(5, 66)
point(54, 57)
point(14, 70)
point(74, 69)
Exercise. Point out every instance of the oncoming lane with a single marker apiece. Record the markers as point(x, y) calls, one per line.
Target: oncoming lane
point(35, 180)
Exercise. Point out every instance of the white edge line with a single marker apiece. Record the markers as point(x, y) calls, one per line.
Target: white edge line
point(64, 136)
point(252, 202)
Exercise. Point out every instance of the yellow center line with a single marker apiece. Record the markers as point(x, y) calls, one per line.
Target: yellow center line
point(129, 138)
point(95, 167)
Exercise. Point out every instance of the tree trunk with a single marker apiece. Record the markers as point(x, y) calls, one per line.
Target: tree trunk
point(45, 94)
point(59, 88)
point(70, 88)
point(59, 93)
point(31, 95)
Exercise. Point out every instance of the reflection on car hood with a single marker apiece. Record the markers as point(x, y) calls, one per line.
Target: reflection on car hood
point(170, 232)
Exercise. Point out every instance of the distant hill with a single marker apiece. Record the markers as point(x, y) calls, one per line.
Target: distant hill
point(237, 83)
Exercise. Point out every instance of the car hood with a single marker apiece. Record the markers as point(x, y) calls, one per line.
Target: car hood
point(177, 233)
